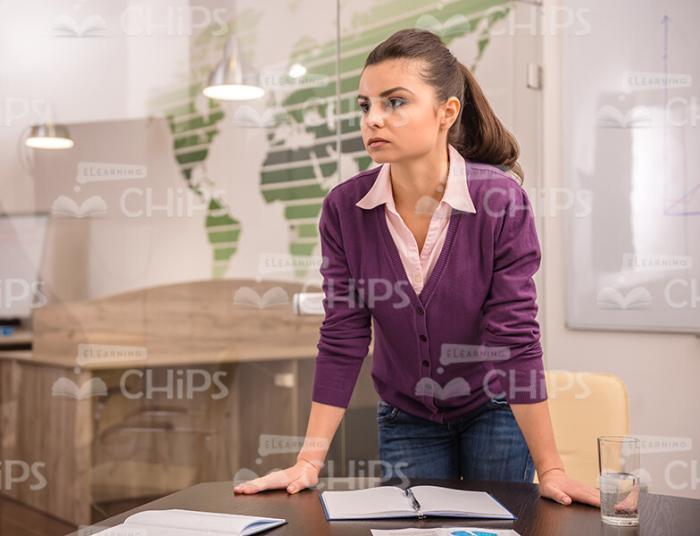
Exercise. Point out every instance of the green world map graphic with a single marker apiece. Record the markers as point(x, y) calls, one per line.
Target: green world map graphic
point(313, 136)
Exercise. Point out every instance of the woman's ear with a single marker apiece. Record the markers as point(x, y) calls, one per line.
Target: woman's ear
point(451, 108)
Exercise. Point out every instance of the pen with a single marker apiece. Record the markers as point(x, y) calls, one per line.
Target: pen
point(414, 501)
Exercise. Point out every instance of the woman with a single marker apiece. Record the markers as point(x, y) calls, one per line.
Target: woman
point(438, 247)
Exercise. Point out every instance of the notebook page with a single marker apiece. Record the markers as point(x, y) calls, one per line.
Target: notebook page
point(135, 529)
point(379, 501)
point(152, 522)
point(436, 499)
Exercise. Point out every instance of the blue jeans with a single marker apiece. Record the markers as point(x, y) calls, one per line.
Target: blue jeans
point(484, 445)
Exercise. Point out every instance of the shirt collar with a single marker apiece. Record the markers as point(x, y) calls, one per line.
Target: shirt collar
point(456, 190)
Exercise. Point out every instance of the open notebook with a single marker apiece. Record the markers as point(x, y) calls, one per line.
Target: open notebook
point(416, 501)
point(190, 523)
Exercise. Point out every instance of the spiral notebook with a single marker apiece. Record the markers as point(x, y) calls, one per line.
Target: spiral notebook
point(417, 501)
point(190, 523)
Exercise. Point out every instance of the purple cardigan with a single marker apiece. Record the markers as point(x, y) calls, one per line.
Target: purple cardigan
point(470, 335)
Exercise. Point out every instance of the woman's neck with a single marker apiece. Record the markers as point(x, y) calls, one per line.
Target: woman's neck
point(415, 179)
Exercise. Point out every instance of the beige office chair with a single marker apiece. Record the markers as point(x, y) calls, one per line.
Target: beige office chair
point(584, 406)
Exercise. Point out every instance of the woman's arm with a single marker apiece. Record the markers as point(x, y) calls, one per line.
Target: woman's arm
point(510, 312)
point(323, 423)
point(536, 425)
point(345, 334)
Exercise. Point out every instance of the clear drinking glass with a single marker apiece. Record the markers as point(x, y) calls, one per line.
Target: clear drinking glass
point(619, 464)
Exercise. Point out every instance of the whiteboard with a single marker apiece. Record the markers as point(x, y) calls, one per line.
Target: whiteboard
point(631, 124)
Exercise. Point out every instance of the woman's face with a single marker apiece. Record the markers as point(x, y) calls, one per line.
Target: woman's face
point(399, 107)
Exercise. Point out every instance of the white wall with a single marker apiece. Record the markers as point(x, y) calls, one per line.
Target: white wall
point(661, 371)
point(105, 75)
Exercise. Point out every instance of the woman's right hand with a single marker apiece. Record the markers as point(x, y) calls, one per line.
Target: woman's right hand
point(300, 476)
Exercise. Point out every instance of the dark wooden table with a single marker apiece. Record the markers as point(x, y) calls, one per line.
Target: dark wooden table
point(660, 515)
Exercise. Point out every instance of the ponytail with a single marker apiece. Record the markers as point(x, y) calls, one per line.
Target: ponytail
point(479, 135)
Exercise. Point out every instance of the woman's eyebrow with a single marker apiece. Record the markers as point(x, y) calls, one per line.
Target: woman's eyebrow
point(387, 92)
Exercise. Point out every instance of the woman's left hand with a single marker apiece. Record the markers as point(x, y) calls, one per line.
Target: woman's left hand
point(557, 485)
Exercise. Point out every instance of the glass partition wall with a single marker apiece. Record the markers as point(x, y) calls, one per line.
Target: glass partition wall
point(163, 347)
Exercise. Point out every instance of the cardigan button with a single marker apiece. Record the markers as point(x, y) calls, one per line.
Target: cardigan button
point(426, 363)
point(423, 338)
point(419, 310)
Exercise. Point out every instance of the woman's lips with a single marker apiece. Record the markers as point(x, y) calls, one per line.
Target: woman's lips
point(377, 143)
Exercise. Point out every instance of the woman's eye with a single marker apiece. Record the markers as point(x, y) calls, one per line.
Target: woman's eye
point(393, 102)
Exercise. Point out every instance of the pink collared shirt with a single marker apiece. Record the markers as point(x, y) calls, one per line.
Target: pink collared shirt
point(419, 265)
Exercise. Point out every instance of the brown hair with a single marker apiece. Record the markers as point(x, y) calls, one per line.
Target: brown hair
point(477, 134)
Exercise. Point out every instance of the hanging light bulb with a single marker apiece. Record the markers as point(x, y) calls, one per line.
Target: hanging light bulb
point(49, 136)
point(232, 79)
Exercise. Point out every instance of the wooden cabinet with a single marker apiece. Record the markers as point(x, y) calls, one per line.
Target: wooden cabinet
point(127, 424)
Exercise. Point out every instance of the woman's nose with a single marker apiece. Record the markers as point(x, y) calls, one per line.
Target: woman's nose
point(375, 117)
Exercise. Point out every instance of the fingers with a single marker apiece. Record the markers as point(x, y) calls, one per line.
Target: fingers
point(573, 492)
point(563, 498)
point(291, 478)
point(553, 492)
point(295, 486)
point(305, 480)
point(587, 495)
point(274, 480)
point(252, 486)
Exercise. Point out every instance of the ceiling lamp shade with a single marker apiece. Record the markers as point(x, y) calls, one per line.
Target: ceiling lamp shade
point(49, 136)
point(232, 79)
